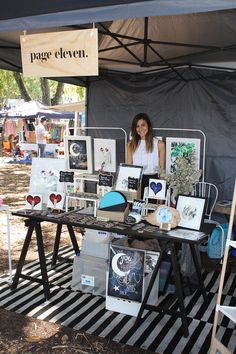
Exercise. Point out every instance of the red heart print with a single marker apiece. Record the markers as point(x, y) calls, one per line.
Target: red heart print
point(55, 198)
point(33, 200)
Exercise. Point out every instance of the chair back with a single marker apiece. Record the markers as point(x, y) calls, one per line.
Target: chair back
point(208, 191)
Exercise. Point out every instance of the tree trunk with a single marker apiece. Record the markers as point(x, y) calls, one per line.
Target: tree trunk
point(20, 83)
point(59, 92)
point(45, 91)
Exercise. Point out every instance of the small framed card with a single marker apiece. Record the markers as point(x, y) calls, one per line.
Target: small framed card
point(157, 189)
point(34, 201)
point(56, 200)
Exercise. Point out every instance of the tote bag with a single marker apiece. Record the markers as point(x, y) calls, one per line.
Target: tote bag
point(217, 240)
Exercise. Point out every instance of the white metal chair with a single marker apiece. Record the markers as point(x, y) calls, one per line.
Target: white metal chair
point(208, 191)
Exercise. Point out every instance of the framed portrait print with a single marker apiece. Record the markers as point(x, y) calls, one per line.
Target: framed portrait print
point(176, 147)
point(191, 210)
point(128, 177)
point(78, 153)
point(105, 155)
point(157, 189)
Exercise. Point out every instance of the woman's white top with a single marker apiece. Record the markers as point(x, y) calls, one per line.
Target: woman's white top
point(149, 160)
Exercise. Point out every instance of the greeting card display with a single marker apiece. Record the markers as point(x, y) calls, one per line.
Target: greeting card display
point(34, 201)
point(157, 189)
point(56, 200)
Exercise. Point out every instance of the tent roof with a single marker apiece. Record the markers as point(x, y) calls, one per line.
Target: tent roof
point(35, 109)
point(70, 107)
point(172, 33)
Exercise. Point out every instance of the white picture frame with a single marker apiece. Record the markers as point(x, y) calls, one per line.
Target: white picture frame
point(78, 154)
point(33, 201)
point(105, 155)
point(45, 174)
point(191, 210)
point(56, 200)
point(157, 189)
point(125, 172)
point(181, 147)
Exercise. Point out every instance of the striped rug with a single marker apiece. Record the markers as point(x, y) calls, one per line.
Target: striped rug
point(157, 333)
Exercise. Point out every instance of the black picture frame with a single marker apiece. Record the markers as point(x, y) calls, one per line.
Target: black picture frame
point(192, 211)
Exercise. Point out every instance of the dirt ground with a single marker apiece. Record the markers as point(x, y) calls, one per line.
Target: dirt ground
point(29, 335)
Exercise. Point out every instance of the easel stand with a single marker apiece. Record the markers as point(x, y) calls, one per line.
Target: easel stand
point(228, 311)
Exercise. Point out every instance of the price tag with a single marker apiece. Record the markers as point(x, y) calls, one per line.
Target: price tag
point(105, 180)
point(66, 176)
point(133, 183)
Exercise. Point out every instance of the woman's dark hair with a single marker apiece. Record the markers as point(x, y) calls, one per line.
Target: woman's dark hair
point(43, 119)
point(136, 138)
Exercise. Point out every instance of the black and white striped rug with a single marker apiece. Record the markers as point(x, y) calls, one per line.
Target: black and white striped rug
point(158, 332)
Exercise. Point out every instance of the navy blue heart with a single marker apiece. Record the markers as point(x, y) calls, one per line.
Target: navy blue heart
point(156, 187)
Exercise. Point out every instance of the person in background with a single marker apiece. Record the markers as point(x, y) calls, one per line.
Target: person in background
point(41, 135)
point(14, 146)
point(144, 149)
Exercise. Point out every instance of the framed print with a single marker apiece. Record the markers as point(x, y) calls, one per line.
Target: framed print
point(45, 176)
point(157, 189)
point(33, 201)
point(105, 155)
point(78, 153)
point(126, 273)
point(176, 147)
point(128, 176)
point(191, 210)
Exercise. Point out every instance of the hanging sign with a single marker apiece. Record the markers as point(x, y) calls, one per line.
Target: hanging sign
point(68, 53)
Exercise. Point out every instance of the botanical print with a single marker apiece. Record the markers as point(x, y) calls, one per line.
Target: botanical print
point(105, 155)
point(45, 176)
point(191, 210)
point(184, 147)
point(78, 153)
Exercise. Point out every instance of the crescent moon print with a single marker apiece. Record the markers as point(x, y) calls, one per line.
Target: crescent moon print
point(126, 272)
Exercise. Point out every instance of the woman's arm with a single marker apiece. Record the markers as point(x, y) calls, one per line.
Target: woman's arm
point(162, 153)
point(129, 158)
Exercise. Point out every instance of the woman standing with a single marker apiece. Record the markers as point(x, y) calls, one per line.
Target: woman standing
point(144, 149)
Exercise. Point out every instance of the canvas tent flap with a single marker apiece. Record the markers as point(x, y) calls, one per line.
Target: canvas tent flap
point(70, 107)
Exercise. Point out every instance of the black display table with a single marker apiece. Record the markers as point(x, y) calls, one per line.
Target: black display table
point(141, 230)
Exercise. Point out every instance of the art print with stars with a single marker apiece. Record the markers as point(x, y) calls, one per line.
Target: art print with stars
point(126, 273)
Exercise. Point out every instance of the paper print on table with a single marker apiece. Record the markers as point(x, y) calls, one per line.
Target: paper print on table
point(45, 176)
point(33, 201)
point(105, 155)
point(56, 200)
point(78, 153)
point(176, 147)
point(157, 189)
point(191, 210)
point(126, 171)
point(126, 272)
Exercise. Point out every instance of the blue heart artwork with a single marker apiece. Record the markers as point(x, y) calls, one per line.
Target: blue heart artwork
point(156, 187)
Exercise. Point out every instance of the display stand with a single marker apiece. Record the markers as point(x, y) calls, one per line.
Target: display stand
point(5, 208)
point(228, 311)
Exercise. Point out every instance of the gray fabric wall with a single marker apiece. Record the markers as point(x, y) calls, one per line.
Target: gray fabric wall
point(206, 102)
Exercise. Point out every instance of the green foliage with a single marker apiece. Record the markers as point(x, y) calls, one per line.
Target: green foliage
point(9, 88)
